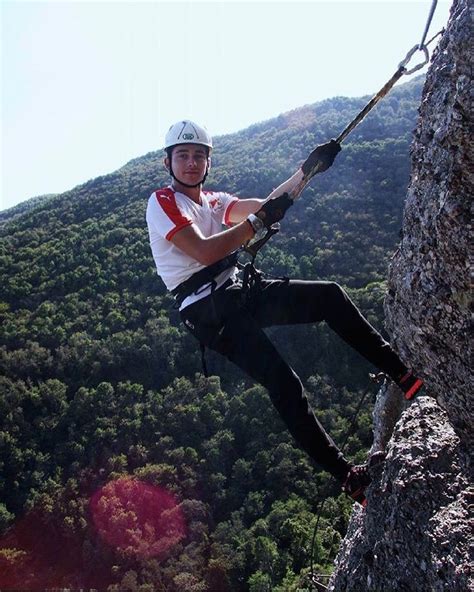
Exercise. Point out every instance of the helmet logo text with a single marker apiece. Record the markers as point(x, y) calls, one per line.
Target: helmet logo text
point(188, 136)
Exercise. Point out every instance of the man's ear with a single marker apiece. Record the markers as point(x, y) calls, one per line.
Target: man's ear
point(208, 163)
point(166, 162)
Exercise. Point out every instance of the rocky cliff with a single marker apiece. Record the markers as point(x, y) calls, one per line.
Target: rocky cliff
point(414, 534)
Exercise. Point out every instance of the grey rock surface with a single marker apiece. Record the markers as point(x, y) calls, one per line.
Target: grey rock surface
point(429, 295)
point(387, 410)
point(415, 534)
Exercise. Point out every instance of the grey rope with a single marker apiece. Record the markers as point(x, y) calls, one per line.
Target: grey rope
point(428, 23)
point(402, 71)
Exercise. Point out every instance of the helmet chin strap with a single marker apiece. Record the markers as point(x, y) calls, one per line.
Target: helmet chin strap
point(201, 182)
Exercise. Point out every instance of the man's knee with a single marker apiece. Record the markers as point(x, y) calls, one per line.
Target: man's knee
point(335, 292)
point(334, 300)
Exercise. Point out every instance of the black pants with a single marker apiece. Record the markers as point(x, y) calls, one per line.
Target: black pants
point(224, 324)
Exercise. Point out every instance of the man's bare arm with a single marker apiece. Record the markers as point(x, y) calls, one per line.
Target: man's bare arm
point(244, 207)
point(208, 250)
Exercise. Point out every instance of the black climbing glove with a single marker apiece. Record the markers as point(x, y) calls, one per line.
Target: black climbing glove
point(324, 154)
point(274, 209)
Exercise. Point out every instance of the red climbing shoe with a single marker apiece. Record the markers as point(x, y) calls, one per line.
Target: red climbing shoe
point(410, 385)
point(358, 478)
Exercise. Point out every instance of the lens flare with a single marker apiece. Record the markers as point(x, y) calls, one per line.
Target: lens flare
point(137, 518)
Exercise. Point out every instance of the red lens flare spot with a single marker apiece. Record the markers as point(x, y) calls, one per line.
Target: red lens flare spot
point(137, 518)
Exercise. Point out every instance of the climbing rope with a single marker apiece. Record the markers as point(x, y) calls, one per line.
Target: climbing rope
point(401, 71)
point(428, 24)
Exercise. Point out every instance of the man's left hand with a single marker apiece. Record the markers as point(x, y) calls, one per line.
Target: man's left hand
point(323, 155)
point(274, 209)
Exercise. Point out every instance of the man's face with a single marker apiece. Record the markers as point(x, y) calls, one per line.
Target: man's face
point(189, 162)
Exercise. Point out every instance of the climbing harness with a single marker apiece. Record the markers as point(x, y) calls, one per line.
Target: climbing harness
point(204, 278)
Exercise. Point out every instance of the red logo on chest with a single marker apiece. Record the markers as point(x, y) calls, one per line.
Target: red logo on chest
point(215, 204)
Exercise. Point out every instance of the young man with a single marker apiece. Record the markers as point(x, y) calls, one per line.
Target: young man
point(193, 257)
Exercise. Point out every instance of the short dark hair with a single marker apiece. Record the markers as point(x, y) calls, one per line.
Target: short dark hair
point(169, 150)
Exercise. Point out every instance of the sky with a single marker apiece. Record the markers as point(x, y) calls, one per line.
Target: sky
point(87, 86)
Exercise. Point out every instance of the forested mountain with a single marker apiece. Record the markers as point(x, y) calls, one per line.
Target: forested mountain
point(103, 407)
point(10, 213)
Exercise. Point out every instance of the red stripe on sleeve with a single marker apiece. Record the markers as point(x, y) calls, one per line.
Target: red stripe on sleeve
point(171, 233)
point(227, 221)
point(167, 201)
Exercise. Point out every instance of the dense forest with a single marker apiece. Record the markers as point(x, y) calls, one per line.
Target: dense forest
point(122, 466)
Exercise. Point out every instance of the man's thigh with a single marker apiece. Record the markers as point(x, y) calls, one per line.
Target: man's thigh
point(243, 342)
point(291, 302)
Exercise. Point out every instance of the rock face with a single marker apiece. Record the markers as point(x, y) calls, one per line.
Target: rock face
point(414, 535)
point(427, 307)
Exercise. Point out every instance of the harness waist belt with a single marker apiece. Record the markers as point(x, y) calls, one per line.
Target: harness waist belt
point(203, 277)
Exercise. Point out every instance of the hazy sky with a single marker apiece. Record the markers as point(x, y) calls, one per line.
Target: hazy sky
point(87, 86)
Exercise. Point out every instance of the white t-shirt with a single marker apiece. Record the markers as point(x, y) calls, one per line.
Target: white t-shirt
point(168, 212)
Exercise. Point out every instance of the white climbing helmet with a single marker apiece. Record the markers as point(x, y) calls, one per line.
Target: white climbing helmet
point(187, 132)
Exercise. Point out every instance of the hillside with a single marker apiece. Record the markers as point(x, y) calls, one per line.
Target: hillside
point(99, 382)
point(9, 214)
